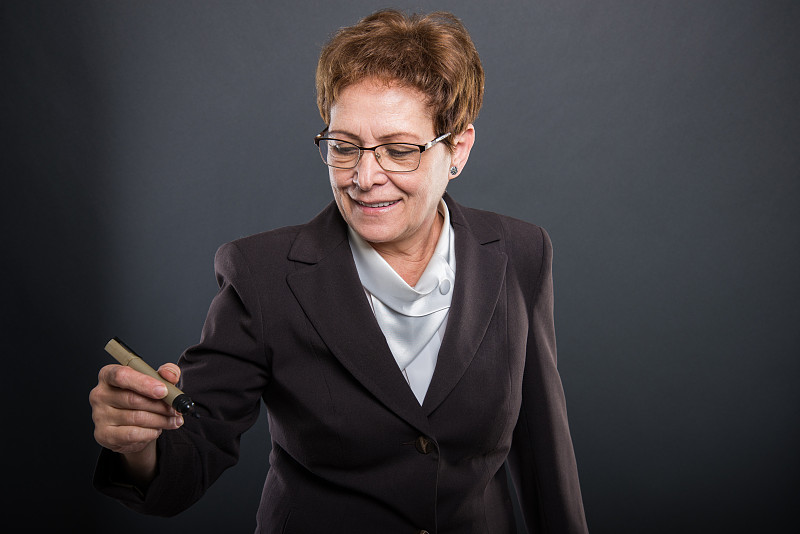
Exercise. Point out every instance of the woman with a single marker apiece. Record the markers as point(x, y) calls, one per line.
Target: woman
point(403, 344)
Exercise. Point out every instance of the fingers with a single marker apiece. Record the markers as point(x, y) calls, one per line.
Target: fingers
point(127, 410)
point(170, 372)
point(108, 415)
point(124, 377)
point(129, 429)
point(121, 387)
point(120, 407)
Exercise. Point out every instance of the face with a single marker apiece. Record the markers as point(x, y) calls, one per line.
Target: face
point(388, 209)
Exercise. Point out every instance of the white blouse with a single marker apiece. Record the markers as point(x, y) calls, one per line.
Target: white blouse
point(413, 319)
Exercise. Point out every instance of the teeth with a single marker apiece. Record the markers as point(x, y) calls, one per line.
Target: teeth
point(376, 204)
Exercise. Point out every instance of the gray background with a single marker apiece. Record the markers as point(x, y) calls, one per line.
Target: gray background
point(658, 142)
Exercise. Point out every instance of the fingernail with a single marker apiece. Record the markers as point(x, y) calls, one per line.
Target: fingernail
point(178, 420)
point(170, 371)
point(160, 390)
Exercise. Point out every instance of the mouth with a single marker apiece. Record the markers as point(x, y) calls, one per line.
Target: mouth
point(376, 204)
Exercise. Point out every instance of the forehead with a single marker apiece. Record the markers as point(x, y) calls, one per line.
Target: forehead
point(374, 108)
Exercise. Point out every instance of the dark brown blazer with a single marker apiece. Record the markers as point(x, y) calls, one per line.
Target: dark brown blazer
point(352, 449)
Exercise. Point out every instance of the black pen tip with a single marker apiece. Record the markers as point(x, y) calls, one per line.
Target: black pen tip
point(183, 404)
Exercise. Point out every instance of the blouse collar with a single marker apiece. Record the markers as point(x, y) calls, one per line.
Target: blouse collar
point(433, 291)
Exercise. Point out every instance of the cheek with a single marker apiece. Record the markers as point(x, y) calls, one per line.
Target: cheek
point(440, 168)
point(433, 179)
point(338, 192)
point(437, 179)
point(339, 179)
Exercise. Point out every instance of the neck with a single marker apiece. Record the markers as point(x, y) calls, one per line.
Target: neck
point(410, 260)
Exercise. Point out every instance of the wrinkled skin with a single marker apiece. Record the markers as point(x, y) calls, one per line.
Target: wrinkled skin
point(129, 415)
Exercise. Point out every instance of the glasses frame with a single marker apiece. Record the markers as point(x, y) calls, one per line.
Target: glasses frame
point(361, 149)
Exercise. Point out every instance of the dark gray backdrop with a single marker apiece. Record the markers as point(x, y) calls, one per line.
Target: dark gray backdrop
point(657, 142)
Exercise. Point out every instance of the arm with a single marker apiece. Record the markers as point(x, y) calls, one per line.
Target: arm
point(541, 460)
point(225, 374)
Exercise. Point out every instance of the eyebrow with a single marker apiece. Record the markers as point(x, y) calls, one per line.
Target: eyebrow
point(386, 138)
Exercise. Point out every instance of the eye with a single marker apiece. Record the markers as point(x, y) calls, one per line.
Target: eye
point(343, 149)
point(400, 152)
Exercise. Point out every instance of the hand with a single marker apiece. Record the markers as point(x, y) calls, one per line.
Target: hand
point(129, 415)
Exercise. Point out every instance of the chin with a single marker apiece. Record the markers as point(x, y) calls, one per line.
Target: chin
point(376, 236)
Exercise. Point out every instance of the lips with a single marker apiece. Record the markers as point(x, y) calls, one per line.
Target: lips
point(376, 204)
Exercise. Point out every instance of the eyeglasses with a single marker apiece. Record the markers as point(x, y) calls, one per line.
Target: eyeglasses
point(392, 157)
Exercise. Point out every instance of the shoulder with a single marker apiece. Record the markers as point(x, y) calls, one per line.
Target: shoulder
point(279, 246)
point(525, 245)
point(517, 236)
point(257, 248)
point(263, 243)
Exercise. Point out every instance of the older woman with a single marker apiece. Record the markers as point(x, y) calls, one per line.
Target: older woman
point(403, 344)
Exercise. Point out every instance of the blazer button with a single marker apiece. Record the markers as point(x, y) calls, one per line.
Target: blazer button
point(424, 445)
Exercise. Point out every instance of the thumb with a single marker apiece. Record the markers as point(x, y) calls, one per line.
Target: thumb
point(170, 372)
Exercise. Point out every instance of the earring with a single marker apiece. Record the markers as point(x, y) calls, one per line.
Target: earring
point(453, 170)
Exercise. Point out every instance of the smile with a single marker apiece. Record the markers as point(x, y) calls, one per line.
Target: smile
point(376, 204)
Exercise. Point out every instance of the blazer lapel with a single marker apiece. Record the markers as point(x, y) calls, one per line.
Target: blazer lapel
point(480, 275)
point(327, 286)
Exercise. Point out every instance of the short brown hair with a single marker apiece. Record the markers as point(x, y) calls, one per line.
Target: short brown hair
point(432, 53)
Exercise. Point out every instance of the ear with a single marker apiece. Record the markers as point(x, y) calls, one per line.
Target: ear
point(460, 154)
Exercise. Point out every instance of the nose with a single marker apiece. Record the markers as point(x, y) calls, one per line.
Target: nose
point(368, 172)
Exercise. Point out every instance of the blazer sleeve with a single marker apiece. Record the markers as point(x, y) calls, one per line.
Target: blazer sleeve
point(225, 374)
point(541, 459)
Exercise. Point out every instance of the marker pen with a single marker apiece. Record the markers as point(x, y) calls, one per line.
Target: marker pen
point(125, 355)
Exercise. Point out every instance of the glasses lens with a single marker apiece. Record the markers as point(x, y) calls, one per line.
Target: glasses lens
point(398, 157)
point(339, 154)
